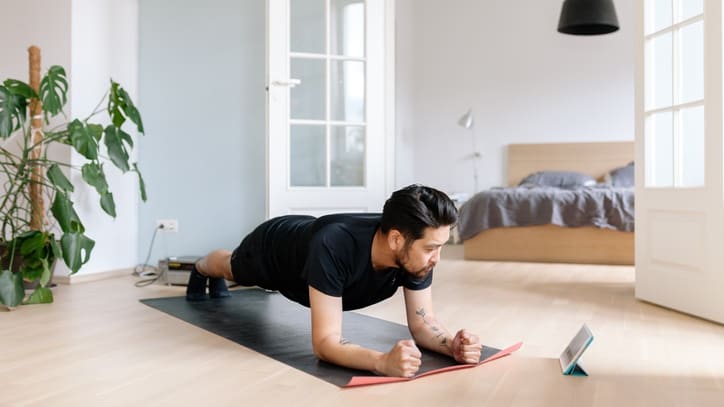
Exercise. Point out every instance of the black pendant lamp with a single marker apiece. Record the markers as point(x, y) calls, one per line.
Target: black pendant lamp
point(588, 17)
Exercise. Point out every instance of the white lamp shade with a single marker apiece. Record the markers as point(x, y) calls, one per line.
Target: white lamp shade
point(466, 120)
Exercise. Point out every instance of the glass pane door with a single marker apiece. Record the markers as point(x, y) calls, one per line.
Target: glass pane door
point(328, 141)
point(674, 93)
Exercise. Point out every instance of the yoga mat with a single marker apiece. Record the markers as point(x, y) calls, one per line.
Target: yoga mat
point(281, 329)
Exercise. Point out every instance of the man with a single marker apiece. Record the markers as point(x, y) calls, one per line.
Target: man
point(349, 261)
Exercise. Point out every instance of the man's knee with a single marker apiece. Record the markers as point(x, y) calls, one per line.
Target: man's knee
point(222, 259)
point(217, 263)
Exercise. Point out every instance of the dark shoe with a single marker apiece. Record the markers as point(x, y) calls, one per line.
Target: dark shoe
point(196, 288)
point(218, 289)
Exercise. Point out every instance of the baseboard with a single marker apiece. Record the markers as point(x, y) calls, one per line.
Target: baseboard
point(88, 277)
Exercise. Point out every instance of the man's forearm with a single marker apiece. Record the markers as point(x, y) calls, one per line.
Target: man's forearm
point(430, 333)
point(341, 352)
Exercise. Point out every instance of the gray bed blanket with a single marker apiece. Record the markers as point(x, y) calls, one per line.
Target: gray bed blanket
point(601, 206)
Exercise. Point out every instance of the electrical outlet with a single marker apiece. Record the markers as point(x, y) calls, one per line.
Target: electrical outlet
point(167, 225)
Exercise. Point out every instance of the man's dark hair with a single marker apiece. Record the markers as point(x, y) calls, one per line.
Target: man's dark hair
point(414, 208)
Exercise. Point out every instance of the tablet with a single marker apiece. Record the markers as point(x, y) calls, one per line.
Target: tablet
point(570, 356)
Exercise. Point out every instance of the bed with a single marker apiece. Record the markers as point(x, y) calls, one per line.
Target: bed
point(607, 237)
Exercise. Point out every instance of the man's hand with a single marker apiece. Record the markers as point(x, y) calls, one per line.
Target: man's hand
point(403, 360)
point(466, 347)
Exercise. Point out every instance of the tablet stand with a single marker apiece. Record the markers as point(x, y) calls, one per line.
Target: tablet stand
point(577, 370)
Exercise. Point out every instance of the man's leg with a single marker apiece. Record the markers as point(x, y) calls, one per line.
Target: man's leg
point(213, 269)
point(216, 264)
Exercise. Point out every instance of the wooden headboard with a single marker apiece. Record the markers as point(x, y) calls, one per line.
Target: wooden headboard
point(595, 159)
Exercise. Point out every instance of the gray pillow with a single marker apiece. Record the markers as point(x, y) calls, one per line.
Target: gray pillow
point(558, 179)
point(621, 177)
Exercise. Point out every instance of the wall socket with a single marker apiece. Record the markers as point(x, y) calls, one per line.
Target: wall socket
point(167, 225)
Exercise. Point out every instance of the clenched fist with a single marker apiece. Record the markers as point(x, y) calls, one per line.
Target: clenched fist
point(466, 347)
point(403, 360)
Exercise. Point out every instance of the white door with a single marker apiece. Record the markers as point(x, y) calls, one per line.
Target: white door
point(679, 200)
point(327, 136)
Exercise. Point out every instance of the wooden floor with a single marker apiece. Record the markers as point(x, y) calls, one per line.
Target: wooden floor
point(98, 346)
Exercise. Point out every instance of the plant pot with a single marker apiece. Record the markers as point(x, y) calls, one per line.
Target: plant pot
point(32, 285)
point(17, 262)
point(5, 257)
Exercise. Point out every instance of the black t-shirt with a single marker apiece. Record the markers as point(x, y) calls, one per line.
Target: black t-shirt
point(332, 254)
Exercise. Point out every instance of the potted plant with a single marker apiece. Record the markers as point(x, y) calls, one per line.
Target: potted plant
point(28, 176)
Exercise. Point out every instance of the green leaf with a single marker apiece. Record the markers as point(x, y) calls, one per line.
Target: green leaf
point(120, 107)
point(127, 138)
point(33, 270)
point(11, 288)
point(54, 247)
point(96, 130)
point(47, 273)
point(66, 216)
point(76, 250)
point(13, 109)
point(31, 242)
point(131, 111)
point(20, 88)
point(57, 178)
point(108, 204)
point(114, 106)
point(7, 108)
point(116, 150)
point(93, 175)
point(41, 295)
point(141, 183)
point(53, 91)
point(83, 139)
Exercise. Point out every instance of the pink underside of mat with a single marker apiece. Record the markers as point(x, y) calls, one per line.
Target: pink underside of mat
point(370, 380)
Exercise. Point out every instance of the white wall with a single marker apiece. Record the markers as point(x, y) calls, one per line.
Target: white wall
point(202, 78)
point(104, 45)
point(45, 25)
point(404, 91)
point(33, 22)
point(524, 81)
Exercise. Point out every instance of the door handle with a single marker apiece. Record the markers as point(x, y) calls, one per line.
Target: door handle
point(289, 83)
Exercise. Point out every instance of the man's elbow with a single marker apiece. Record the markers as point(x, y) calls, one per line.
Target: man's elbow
point(318, 352)
point(321, 348)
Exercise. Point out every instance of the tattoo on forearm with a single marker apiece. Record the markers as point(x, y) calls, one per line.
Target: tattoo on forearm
point(438, 332)
point(343, 341)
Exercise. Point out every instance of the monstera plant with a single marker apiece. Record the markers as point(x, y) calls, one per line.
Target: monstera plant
point(31, 236)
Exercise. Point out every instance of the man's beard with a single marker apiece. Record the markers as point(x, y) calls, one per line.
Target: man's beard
point(404, 257)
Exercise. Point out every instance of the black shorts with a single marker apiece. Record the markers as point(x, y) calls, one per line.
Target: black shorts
point(264, 258)
point(247, 261)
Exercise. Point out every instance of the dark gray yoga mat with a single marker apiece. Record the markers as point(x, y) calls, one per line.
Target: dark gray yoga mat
point(279, 328)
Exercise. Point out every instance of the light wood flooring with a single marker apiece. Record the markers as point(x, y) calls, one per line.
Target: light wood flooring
point(98, 346)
